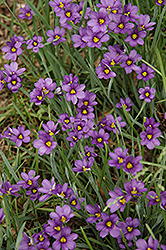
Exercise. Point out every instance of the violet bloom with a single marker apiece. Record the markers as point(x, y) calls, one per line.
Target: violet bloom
point(84, 165)
point(121, 242)
point(88, 100)
point(79, 125)
point(145, 73)
point(74, 91)
point(131, 11)
point(74, 201)
point(112, 124)
point(14, 83)
point(151, 123)
point(53, 228)
point(10, 189)
point(135, 37)
point(163, 200)
point(153, 198)
point(149, 137)
point(12, 70)
point(8, 133)
point(2, 215)
point(33, 192)
point(26, 243)
point(42, 246)
point(58, 92)
point(147, 94)
point(125, 103)
point(103, 123)
point(66, 120)
point(111, 6)
point(118, 200)
point(132, 165)
point(94, 39)
point(89, 152)
point(100, 138)
point(2, 80)
point(108, 225)
point(129, 228)
point(45, 144)
point(70, 79)
point(20, 135)
point(120, 24)
point(74, 136)
point(13, 47)
point(63, 191)
point(37, 96)
point(104, 71)
point(50, 128)
point(163, 247)
point(48, 189)
point(95, 211)
point(98, 21)
point(88, 128)
point(85, 113)
point(143, 245)
point(129, 61)
point(56, 34)
point(63, 214)
point(77, 39)
point(65, 240)
point(29, 179)
point(35, 43)
point(160, 2)
point(59, 5)
point(143, 22)
point(135, 188)
point(26, 13)
point(117, 158)
point(111, 58)
point(46, 86)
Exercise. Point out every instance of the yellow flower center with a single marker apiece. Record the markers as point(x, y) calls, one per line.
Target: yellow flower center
point(50, 189)
point(73, 202)
point(63, 219)
point(112, 63)
point(144, 73)
point(109, 8)
point(80, 12)
point(109, 224)
point(97, 215)
point(14, 82)
point(48, 143)
point(157, 198)
point(13, 49)
point(134, 191)
point(120, 160)
point(99, 139)
point(129, 165)
point(147, 94)
point(114, 11)
point(113, 125)
point(62, 194)
point(20, 136)
point(39, 97)
point(67, 121)
point(46, 91)
point(103, 125)
point(129, 62)
point(72, 91)
point(34, 191)
point(68, 14)
point(134, 36)
point(160, 1)
point(57, 228)
point(84, 111)
point(95, 39)
point(2, 81)
point(149, 136)
point(28, 14)
point(29, 244)
point(9, 133)
point(122, 201)
point(143, 27)
point(129, 229)
point(88, 154)
point(121, 26)
point(107, 71)
point(57, 37)
point(84, 168)
point(61, 5)
point(101, 21)
point(41, 238)
point(127, 14)
point(29, 182)
point(79, 128)
point(51, 133)
point(75, 138)
point(125, 106)
point(63, 240)
point(86, 103)
point(9, 190)
point(149, 248)
point(35, 43)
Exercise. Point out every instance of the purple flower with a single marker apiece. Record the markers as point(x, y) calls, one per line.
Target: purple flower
point(94, 39)
point(98, 21)
point(13, 48)
point(65, 240)
point(20, 135)
point(129, 228)
point(160, 2)
point(149, 137)
point(121, 242)
point(14, 83)
point(74, 202)
point(63, 191)
point(151, 123)
point(59, 5)
point(111, 6)
point(74, 136)
point(43, 246)
point(29, 179)
point(58, 92)
point(88, 128)
point(10, 189)
point(117, 158)
point(66, 120)
point(40, 237)
point(33, 192)
point(56, 34)
point(129, 61)
point(53, 228)
point(163, 200)
point(152, 244)
point(84, 165)
point(89, 152)
point(100, 138)
point(75, 91)
point(26, 243)
point(88, 100)
point(48, 189)
point(153, 198)
point(143, 22)
point(2, 215)
point(12, 70)
point(37, 96)
point(85, 112)
point(2, 80)
point(120, 24)
point(135, 188)
point(111, 58)
point(135, 36)
point(118, 200)
point(112, 124)
point(8, 133)
point(77, 39)
point(45, 144)
point(145, 73)
point(126, 103)
point(63, 214)
point(95, 211)
point(132, 165)
point(163, 247)
point(46, 86)
point(50, 128)
point(102, 124)
point(79, 125)
point(70, 79)
point(108, 225)
point(104, 71)
point(26, 13)
point(131, 11)
point(147, 93)
point(35, 43)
